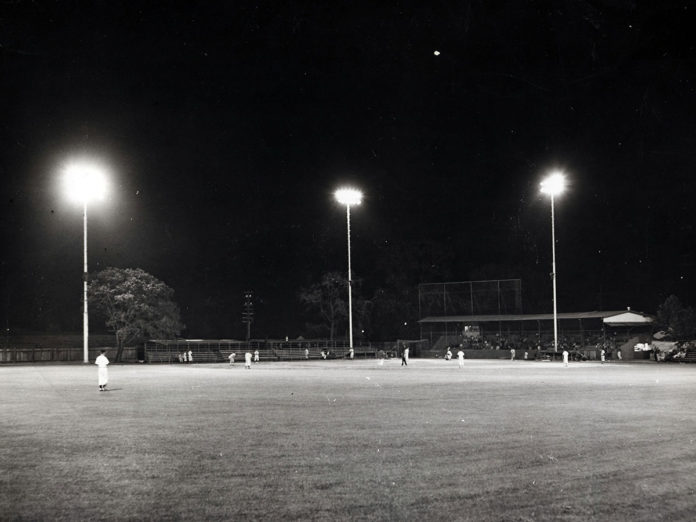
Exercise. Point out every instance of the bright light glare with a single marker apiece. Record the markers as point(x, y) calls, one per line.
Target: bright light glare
point(348, 196)
point(554, 184)
point(84, 182)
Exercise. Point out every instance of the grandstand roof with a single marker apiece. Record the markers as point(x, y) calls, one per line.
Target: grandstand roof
point(629, 318)
point(626, 317)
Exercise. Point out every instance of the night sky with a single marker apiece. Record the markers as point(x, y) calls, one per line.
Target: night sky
point(226, 127)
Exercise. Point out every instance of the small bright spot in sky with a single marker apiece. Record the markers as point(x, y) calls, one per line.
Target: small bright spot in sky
point(437, 53)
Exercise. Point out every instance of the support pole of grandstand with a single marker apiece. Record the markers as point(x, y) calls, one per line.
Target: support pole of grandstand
point(348, 197)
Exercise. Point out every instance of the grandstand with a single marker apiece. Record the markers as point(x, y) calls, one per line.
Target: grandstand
point(487, 315)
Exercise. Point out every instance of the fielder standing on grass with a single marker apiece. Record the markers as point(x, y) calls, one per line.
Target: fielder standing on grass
point(103, 373)
point(565, 357)
point(247, 360)
point(460, 355)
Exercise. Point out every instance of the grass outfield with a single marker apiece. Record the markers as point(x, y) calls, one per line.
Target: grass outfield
point(340, 440)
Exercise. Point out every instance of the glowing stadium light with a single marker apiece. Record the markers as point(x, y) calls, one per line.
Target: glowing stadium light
point(85, 182)
point(552, 186)
point(349, 196)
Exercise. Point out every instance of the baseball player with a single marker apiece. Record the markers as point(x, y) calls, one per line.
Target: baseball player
point(103, 373)
point(460, 355)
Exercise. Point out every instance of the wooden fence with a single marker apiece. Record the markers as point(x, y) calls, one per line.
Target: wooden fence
point(59, 348)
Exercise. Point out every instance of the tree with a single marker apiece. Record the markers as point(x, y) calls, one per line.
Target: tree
point(327, 298)
point(136, 305)
point(678, 320)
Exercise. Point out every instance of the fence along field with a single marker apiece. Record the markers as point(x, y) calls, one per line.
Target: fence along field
point(57, 347)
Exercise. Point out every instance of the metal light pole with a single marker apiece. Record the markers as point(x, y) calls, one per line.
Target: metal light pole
point(553, 276)
point(552, 186)
point(84, 182)
point(85, 281)
point(348, 197)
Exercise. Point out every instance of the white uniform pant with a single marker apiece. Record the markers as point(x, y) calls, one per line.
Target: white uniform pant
point(103, 374)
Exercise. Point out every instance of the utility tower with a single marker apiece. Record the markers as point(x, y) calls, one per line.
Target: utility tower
point(248, 312)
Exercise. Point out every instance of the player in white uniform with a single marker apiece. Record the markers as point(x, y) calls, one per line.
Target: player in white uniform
point(460, 354)
point(231, 358)
point(256, 356)
point(247, 360)
point(103, 373)
point(565, 357)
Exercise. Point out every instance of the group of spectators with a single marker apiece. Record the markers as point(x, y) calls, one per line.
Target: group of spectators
point(677, 354)
point(521, 344)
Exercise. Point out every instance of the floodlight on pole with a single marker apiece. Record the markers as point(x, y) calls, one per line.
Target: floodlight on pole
point(348, 197)
point(85, 182)
point(552, 186)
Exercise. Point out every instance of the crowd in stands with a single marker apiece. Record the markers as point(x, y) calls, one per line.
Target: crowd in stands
point(540, 343)
point(679, 353)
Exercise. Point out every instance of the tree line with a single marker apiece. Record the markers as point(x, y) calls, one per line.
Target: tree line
point(136, 306)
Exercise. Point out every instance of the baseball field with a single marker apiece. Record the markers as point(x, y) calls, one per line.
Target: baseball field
point(350, 440)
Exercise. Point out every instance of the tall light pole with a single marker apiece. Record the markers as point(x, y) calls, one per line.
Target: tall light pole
point(84, 182)
point(553, 186)
point(348, 197)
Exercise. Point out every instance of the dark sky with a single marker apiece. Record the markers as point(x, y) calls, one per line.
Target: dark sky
point(227, 126)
